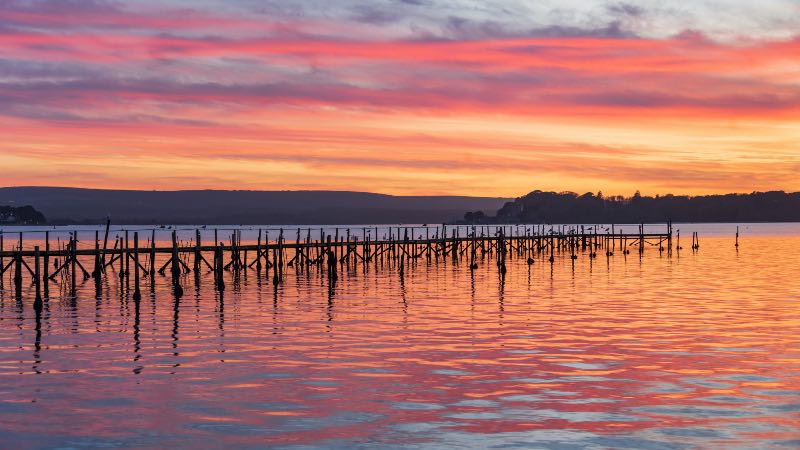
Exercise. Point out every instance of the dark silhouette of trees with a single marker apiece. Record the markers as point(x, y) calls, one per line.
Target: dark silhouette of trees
point(23, 215)
point(475, 217)
point(569, 207)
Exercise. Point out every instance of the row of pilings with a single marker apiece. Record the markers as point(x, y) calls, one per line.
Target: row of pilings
point(139, 250)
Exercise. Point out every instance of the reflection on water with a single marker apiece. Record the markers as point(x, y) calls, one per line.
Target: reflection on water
point(698, 350)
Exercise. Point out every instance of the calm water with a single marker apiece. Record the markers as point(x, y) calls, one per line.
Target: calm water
point(700, 350)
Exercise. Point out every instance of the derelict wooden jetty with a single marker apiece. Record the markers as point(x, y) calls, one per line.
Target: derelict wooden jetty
point(139, 255)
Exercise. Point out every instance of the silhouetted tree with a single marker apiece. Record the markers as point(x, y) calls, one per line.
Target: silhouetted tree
point(568, 207)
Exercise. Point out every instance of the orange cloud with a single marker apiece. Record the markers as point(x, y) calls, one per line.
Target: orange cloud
point(288, 109)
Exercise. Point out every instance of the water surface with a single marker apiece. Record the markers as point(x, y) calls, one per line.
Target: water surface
point(696, 350)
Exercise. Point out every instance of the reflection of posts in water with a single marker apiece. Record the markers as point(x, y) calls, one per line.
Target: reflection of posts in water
point(502, 291)
point(221, 310)
point(37, 343)
point(175, 322)
point(331, 293)
point(136, 338)
point(275, 275)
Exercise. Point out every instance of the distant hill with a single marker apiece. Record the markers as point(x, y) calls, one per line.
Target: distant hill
point(74, 205)
point(569, 207)
point(22, 215)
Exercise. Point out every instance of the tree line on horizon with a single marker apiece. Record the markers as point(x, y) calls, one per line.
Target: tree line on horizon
point(570, 207)
point(21, 215)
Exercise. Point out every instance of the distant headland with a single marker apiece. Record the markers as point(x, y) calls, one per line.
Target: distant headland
point(218, 207)
point(569, 207)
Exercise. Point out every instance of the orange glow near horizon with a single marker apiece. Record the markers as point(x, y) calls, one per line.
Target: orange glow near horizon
point(225, 102)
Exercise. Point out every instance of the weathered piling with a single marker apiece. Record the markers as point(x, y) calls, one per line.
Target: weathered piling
point(399, 246)
point(641, 239)
point(152, 254)
point(695, 241)
point(37, 279)
point(258, 253)
point(121, 259)
point(669, 235)
point(137, 294)
point(275, 276)
point(197, 255)
point(97, 271)
point(176, 270)
point(279, 260)
point(73, 259)
point(18, 272)
point(127, 255)
point(105, 244)
point(218, 277)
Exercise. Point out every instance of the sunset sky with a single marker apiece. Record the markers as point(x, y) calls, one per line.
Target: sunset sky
point(402, 97)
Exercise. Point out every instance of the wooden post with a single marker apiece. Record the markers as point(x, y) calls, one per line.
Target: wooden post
point(73, 259)
point(18, 267)
point(572, 255)
point(18, 272)
point(275, 274)
point(280, 254)
point(46, 261)
point(105, 245)
point(37, 303)
point(218, 267)
point(152, 255)
point(641, 239)
point(137, 294)
point(669, 239)
point(258, 254)
point(175, 269)
point(297, 249)
point(331, 257)
point(197, 245)
point(121, 259)
point(737, 236)
point(127, 255)
point(97, 260)
point(501, 251)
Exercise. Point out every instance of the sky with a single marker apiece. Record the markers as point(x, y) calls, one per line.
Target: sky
point(402, 97)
